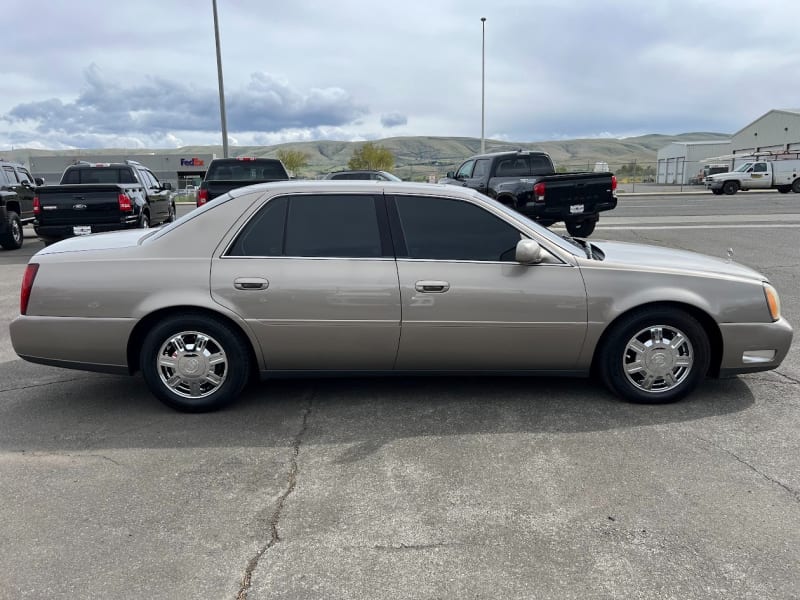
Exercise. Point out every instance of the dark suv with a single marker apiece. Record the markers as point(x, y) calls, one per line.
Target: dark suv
point(16, 202)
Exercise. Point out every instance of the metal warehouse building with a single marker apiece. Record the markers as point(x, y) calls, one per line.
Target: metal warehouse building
point(180, 171)
point(776, 131)
point(680, 161)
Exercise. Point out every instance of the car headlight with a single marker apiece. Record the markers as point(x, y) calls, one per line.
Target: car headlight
point(773, 301)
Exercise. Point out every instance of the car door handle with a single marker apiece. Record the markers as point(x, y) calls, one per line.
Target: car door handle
point(432, 287)
point(250, 283)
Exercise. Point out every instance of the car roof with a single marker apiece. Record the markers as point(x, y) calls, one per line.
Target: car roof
point(355, 185)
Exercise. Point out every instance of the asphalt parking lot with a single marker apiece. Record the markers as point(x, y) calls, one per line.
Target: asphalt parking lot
point(417, 487)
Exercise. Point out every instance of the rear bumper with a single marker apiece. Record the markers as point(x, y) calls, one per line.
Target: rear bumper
point(753, 347)
point(66, 231)
point(102, 347)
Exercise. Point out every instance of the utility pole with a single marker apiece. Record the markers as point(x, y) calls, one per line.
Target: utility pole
point(483, 82)
point(221, 87)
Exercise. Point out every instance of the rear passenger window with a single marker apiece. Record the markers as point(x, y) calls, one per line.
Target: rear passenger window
point(332, 226)
point(341, 226)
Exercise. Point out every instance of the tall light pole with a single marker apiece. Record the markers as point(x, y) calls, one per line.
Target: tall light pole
point(221, 87)
point(483, 81)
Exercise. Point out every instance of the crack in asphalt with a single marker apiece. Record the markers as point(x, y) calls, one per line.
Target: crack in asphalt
point(405, 547)
point(276, 514)
point(36, 385)
point(792, 491)
point(789, 377)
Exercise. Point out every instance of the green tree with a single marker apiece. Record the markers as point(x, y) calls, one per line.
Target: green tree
point(293, 159)
point(371, 156)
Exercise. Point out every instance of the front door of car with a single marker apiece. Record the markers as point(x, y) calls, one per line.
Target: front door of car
point(468, 305)
point(761, 177)
point(315, 277)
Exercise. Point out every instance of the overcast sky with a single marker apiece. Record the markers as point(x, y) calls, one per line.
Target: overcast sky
point(97, 73)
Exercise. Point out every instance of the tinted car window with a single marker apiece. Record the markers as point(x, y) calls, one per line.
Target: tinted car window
point(24, 175)
point(263, 234)
point(513, 166)
point(540, 165)
point(481, 168)
point(760, 168)
point(444, 229)
point(466, 169)
point(11, 175)
point(246, 170)
point(97, 175)
point(332, 226)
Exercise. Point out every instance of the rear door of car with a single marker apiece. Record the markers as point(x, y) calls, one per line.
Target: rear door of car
point(468, 305)
point(315, 277)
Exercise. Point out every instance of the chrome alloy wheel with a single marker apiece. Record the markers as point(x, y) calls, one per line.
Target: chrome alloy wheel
point(192, 364)
point(658, 358)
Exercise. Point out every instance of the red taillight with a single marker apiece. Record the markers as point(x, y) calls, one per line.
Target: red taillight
point(202, 196)
point(245, 158)
point(37, 206)
point(538, 192)
point(613, 182)
point(124, 203)
point(27, 286)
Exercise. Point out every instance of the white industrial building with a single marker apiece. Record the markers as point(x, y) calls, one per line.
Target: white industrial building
point(777, 131)
point(681, 161)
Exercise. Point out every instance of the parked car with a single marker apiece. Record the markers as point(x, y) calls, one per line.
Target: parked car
point(527, 182)
point(364, 175)
point(226, 174)
point(329, 277)
point(16, 202)
point(99, 197)
point(781, 175)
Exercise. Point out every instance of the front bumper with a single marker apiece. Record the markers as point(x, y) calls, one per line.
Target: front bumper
point(714, 185)
point(753, 347)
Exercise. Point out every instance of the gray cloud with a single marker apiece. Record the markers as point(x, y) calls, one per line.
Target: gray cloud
point(266, 104)
point(393, 119)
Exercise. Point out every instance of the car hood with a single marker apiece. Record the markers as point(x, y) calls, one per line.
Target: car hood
point(641, 256)
point(98, 241)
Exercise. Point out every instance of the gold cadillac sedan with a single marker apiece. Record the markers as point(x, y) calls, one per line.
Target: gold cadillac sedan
point(383, 278)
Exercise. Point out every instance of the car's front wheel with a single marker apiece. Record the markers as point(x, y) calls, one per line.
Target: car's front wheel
point(655, 356)
point(194, 363)
point(730, 187)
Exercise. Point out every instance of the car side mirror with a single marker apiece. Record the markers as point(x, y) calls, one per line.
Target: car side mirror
point(166, 186)
point(450, 175)
point(39, 180)
point(529, 252)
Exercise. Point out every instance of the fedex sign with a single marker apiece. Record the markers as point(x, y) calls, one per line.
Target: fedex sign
point(192, 162)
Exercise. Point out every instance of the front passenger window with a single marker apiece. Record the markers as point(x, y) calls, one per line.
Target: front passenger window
point(445, 229)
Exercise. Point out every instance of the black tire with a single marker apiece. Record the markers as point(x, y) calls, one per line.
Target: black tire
point(796, 186)
point(204, 379)
point(784, 189)
point(716, 192)
point(144, 220)
point(13, 236)
point(172, 213)
point(730, 187)
point(580, 228)
point(667, 374)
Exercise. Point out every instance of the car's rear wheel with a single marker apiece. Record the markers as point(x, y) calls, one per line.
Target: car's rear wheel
point(730, 187)
point(194, 363)
point(581, 228)
point(12, 238)
point(796, 186)
point(655, 356)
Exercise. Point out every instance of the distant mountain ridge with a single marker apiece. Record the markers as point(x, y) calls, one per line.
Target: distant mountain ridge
point(427, 154)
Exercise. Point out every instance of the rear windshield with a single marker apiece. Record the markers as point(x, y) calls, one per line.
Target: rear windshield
point(98, 175)
point(523, 165)
point(246, 170)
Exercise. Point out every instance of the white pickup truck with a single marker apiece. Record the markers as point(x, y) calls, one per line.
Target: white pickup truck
point(781, 175)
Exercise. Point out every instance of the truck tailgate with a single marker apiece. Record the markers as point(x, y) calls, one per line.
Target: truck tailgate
point(578, 193)
point(79, 204)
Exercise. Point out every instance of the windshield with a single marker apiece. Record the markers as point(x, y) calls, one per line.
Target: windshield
point(744, 167)
point(572, 248)
point(390, 177)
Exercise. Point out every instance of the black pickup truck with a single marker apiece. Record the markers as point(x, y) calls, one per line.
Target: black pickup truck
point(96, 197)
point(226, 174)
point(17, 189)
point(527, 182)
